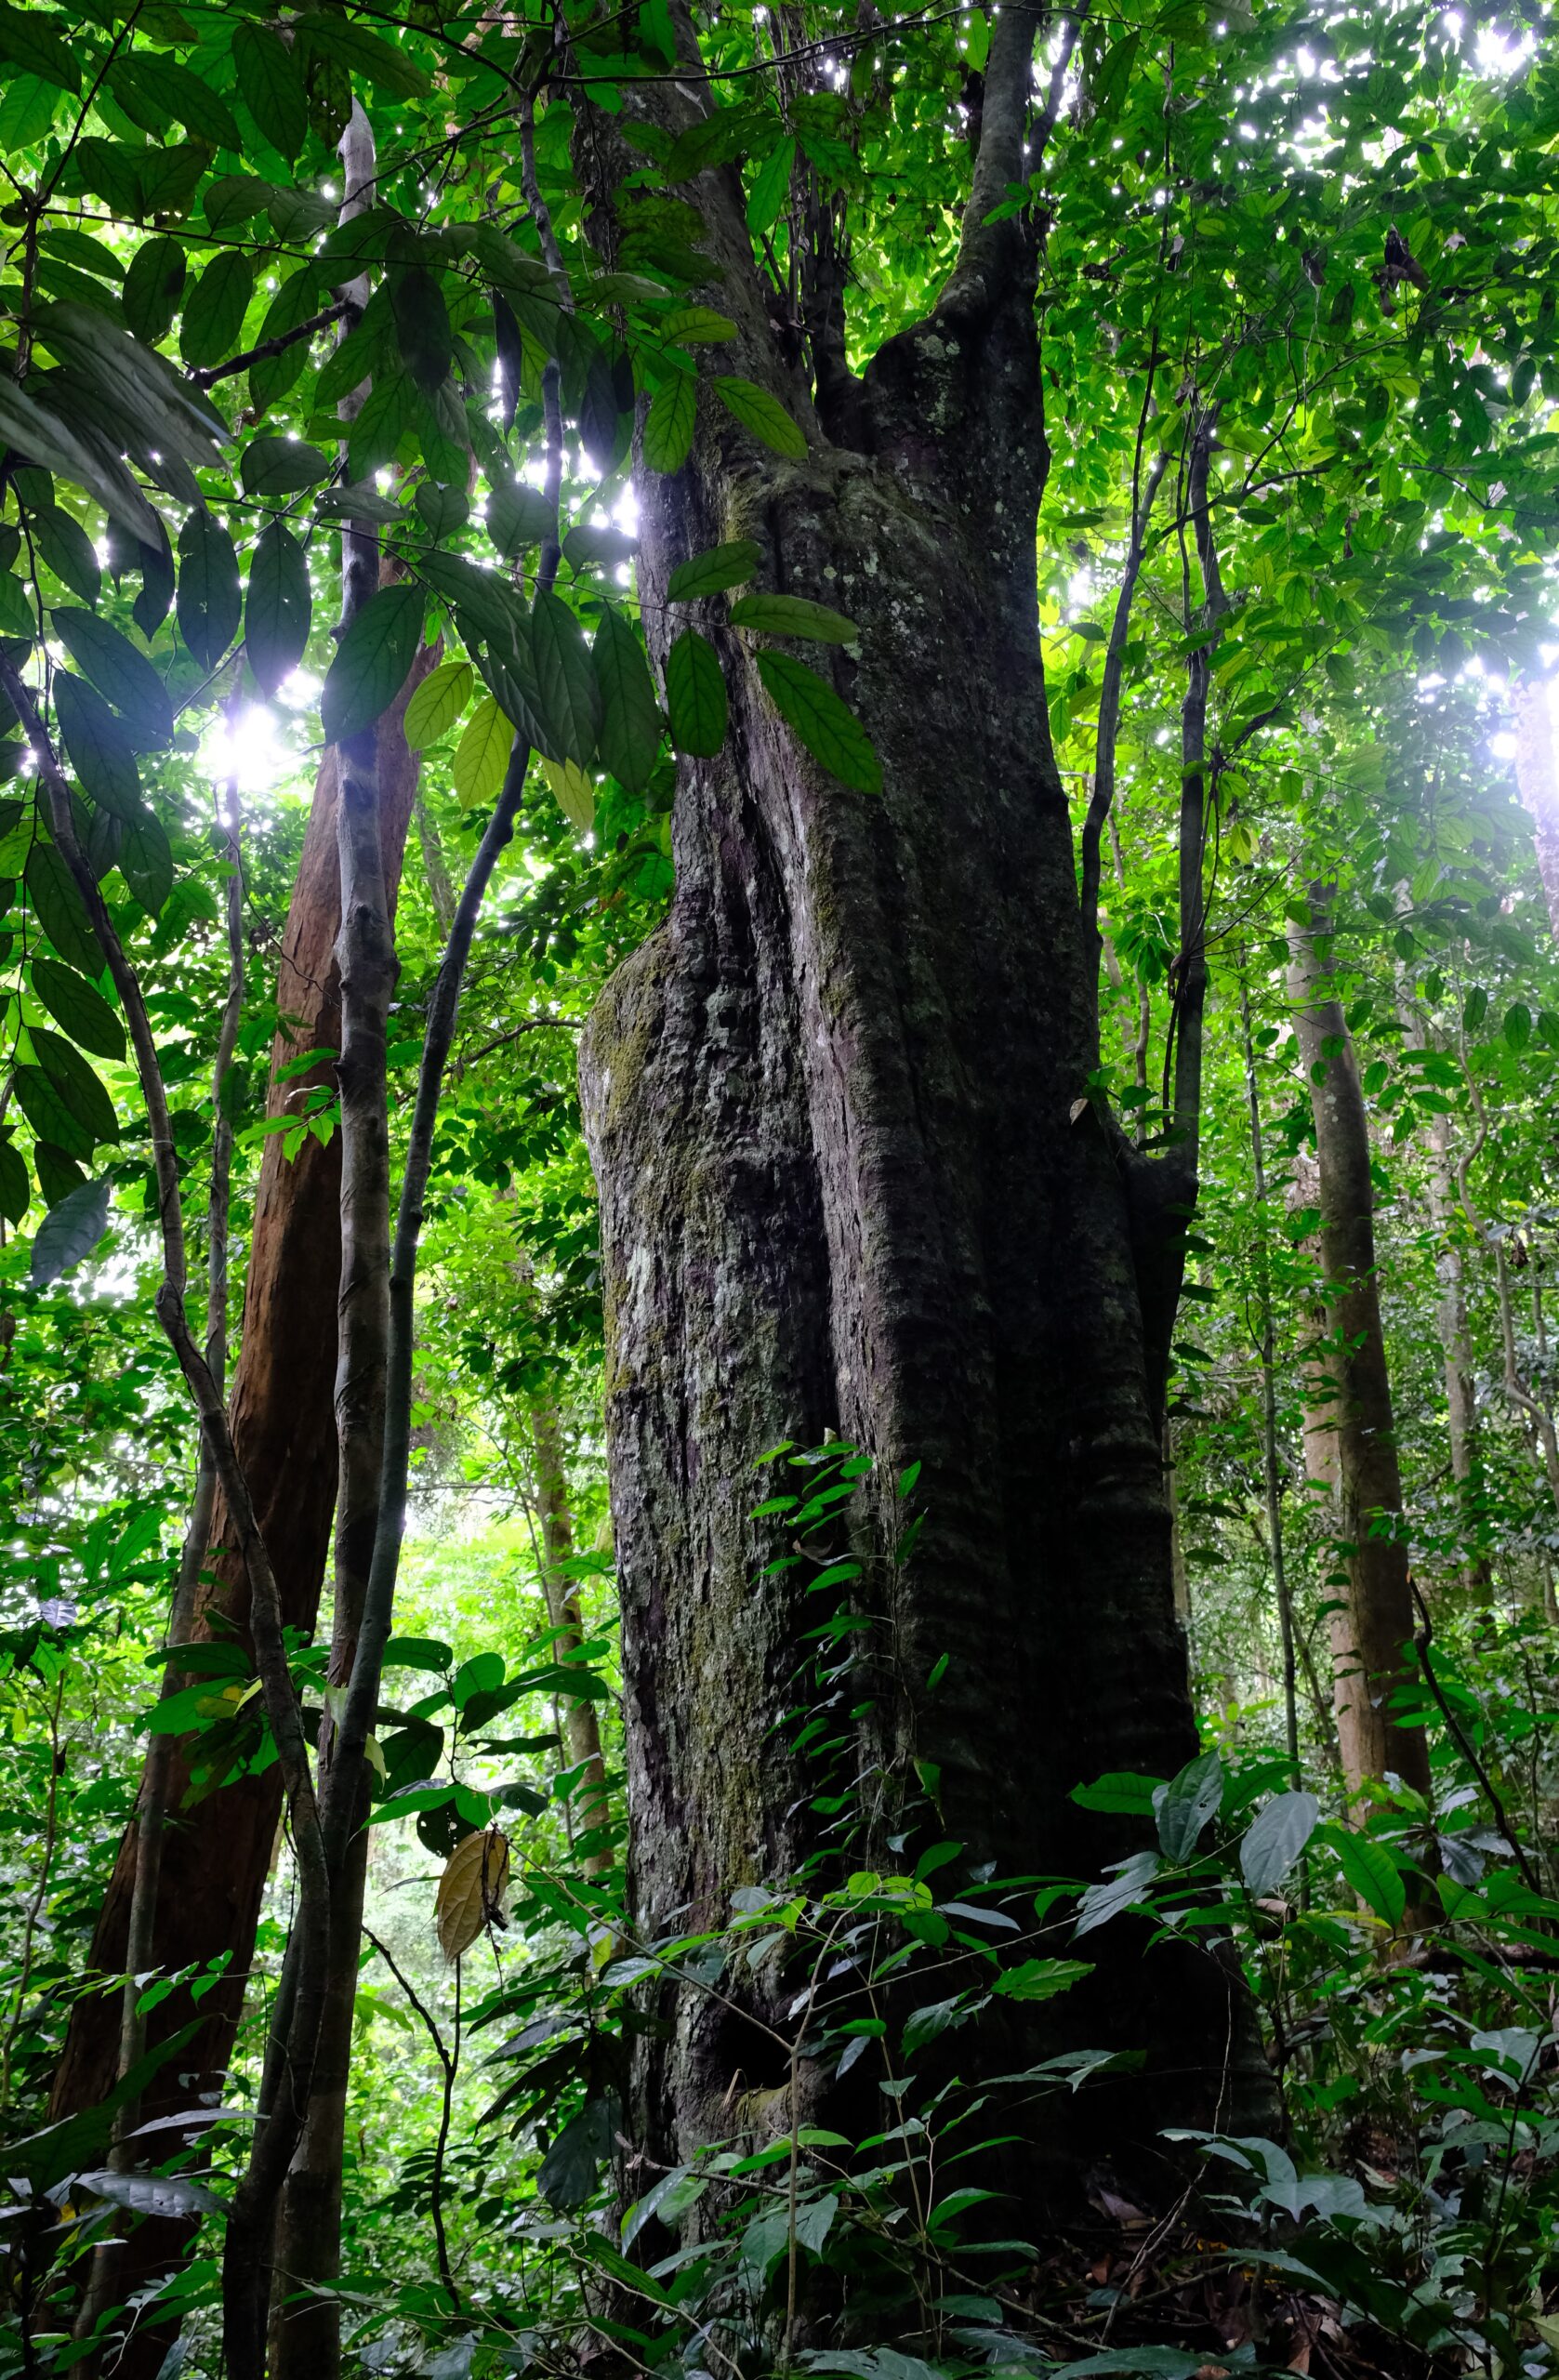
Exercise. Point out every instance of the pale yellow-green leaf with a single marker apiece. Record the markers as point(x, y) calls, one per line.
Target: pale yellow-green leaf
point(471, 1889)
point(438, 703)
point(576, 795)
point(483, 755)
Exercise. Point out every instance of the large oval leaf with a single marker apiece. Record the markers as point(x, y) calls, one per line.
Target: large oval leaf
point(827, 727)
point(68, 1232)
point(277, 609)
point(372, 662)
point(695, 698)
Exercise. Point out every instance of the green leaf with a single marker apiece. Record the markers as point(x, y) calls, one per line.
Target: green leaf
point(277, 608)
point(296, 302)
point(1518, 1025)
point(68, 1232)
point(576, 795)
point(45, 438)
point(792, 615)
point(565, 681)
point(76, 1083)
point(1122, 1792)
point(16, 1190)
point(146, 861)
point(1041, 1978)
point(630, 726)
point(210, 599)
point(270, 84)
point(164, 88)
point(58, 1174)
point(152, 287)
point(1371, 1873)
point(695, 698)
point(41, 1102)
point(26, 113)
point(58, 906)
point(438, 703)
point(81, 1010)
point(422, 328)
point(387, 412)
point(17, 616)
point(763, 415)
point(372, 661)
point(827, 727)
point(669, 425)
point(67, 550)
point(482, 756)
point(282, 466)
point(771, 187)
point(38, 45)
point(117, 671)
point(1276, 1840)
point(232, 199)
point(698, 327)
point(1190, 1800)
point(215, 309)
point(712, 571)
point(517, 515)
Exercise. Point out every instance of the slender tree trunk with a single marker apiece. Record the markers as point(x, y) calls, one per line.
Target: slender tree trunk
point(1372, 1652)
point(1271, 1479)
point(850, 1180)
point(568, 1634)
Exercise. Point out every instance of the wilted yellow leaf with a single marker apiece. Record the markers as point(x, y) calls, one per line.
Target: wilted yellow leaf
point(471, 1888)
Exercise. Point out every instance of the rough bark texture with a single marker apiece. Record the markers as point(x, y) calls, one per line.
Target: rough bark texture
point(592, 1810)
point(1370, 1637)
point(216, 1856)
point(830, 1106)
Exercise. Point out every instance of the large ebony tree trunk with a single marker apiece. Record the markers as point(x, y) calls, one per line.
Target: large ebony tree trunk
point(850, 1180)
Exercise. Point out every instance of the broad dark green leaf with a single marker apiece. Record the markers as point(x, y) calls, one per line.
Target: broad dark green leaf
point(270, 84)
point(1276, 1839)
point(372, 661)
point(68, 1232)
point(695, 698)
point(215, 309)
point(517, 515)
point(78, 1008)
point(771, 187)
point(565, 681)
point(282, 466)
point(1373, 1872)
point(297, 302)
point(57, 905)
point(128, 680)
point(154, 287)
point(40, 45)
point(47, 440)
point(630, 724)
point(48, 1113)
point(76, 1083)
point(16, 1191)
point(67, 549)
point(1190, 1800)
point(820, 721)
point(210, 600)
point(422, 328)
point(17, 615)
point(277, 607)
point(387, 412)
point(146, 860)
point(712, 573)
point(100, 752)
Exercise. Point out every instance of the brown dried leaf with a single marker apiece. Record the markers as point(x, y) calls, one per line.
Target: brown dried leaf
point(471, 1889)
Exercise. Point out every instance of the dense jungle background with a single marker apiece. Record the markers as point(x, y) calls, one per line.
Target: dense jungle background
point(779, 952)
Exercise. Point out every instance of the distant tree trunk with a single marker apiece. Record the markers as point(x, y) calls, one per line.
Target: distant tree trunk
point(563, 1610)
point(1370, 1661)
point(850, 1179)
point(216, 1856)
point(1537, 771)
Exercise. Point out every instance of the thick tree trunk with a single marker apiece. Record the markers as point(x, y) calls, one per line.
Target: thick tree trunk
point(849, 1181)
point(1369, 1638)
point(216, 1856)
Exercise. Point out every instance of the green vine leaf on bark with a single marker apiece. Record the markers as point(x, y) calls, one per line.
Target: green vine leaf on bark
point(821, 722)
point(792, 615)
point(372, 661)
point(712, 571)
point(695, 698)
point(762, 414)
point(631, 723)
point(669, 424)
